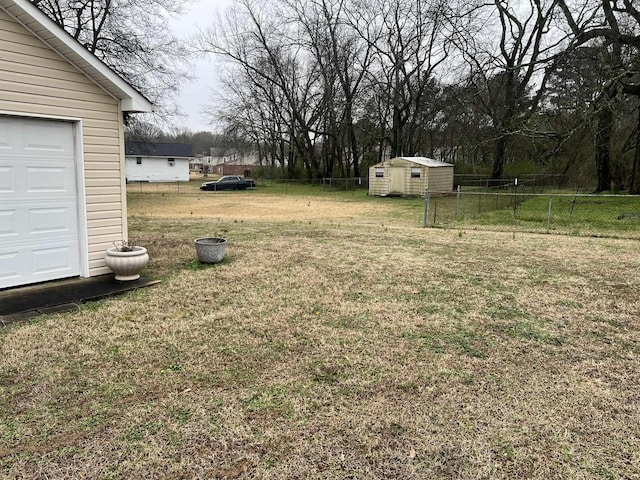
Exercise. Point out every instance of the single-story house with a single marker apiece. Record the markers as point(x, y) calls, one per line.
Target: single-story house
point(197, 164)
point(233, 156)
point(231, 169)
point(410, 176)
point(157, 162)
point(230, 161)
point(62, 170)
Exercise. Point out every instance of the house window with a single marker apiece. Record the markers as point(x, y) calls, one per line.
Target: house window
point(138, 160)
point(172, 161)
point(379, 172)
point(415, 172)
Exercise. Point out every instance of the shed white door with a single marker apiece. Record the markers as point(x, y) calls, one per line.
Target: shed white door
point(38, 201)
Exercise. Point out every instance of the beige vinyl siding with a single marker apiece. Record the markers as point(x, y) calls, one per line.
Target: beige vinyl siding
point(378, 185)
point(102, 182)
point(36, 81)
point(440, 179)
point(416, 186)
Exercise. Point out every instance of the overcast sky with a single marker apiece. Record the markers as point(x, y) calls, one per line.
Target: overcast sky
point(195, 95)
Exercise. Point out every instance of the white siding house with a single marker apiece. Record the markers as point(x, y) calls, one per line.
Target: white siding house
point(62, 184)
point(157, 162)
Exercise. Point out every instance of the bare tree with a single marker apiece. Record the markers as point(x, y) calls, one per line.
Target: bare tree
point(410, 42)
point(343, 59)
point(617, 23)
point(510, 59)
point(139, 130)
point(133, 38)
point(268, 53)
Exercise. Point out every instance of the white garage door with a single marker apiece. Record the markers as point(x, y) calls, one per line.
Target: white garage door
point(38, 201)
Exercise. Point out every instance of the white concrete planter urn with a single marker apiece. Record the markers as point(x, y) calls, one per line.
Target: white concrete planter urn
point(126, 261)
point(211, 249)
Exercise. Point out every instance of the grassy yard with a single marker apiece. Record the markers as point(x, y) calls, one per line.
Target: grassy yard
point(336, 340)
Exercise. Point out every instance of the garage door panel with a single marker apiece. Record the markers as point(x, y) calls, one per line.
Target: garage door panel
point(10, 267)
point(42, 137)
point(47, 221)
point(30, 265)
point(28, 181)
point(8, 134)
point(50, 179)
point(8, 224)
point(37, 223)
point(60, 260)
point(7, 179)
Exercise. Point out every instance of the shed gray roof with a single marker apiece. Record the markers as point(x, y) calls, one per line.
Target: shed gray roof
point(427, 162)
point(155, 149)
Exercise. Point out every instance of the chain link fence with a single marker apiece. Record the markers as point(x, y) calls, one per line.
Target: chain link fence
point(531, 183)
point(282, 185)
point(164, 187)
point(567, 214)
point(508, 207)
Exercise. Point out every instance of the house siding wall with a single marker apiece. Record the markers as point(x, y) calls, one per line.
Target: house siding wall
point(36, 81)
point(157, 169)
point(231, 169)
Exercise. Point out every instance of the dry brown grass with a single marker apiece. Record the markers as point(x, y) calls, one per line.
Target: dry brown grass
point(338, 345)
point(256, 206)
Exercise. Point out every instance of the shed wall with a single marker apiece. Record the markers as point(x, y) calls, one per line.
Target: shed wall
point(378, 185)
point(441, 179)
point(36, 81)
point(416, 186)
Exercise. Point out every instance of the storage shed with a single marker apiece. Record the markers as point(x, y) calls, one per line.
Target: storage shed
point(410, 176)
point(62, 170)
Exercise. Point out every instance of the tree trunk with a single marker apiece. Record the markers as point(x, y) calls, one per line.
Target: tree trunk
point(396, 134)
point(353, 142)
point(500, 157)
point(634, 182)
point(603, 148)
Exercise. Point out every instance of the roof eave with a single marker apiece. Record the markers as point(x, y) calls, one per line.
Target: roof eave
point(133, 105)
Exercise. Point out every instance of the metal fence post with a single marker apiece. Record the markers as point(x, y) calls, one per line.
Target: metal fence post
point(549, 214)
point(515, 196)
point(426, 208)
point(458, 203)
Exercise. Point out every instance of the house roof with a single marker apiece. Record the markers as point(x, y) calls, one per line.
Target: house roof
point(34, 20)
point(427, 162)
point(156, 149)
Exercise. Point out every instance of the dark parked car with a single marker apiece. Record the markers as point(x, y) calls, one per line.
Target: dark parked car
point(229, 182)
